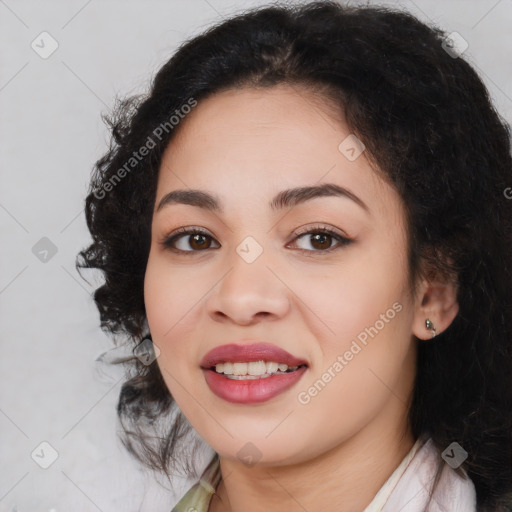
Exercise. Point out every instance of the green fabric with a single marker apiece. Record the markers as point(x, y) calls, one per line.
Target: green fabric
point(197, 498)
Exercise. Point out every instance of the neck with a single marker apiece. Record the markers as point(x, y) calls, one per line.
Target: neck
point(343, 479)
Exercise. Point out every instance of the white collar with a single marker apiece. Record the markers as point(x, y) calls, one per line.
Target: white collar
point(409, 485)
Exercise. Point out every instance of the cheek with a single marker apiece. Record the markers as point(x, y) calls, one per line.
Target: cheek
point(364, 316)
point(370, 366)
point(168, 301)
point(376, 281)
point(169, 296)
point(169, 304)
point(349, 297)
point(367, 326)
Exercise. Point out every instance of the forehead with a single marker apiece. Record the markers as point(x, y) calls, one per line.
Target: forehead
point(252, 143)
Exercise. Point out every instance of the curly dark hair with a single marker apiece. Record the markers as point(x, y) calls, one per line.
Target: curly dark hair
point(427, 122)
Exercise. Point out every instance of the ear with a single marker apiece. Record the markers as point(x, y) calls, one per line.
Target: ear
point(437, 301)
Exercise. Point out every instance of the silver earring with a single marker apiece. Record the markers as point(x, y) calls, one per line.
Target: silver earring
point(430, 326)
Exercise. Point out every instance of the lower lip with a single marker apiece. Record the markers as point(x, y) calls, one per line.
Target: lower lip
point(251, 390)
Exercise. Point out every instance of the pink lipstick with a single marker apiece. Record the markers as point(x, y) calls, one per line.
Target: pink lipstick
point(251, 373)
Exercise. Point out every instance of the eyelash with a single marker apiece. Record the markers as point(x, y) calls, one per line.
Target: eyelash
point(343, 241)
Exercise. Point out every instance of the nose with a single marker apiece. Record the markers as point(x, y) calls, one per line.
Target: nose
point(248, 292)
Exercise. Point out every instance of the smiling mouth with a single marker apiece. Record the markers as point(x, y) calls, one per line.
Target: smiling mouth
point(252, 382)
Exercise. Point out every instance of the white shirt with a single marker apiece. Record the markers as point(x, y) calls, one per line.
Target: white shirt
point(408, 487)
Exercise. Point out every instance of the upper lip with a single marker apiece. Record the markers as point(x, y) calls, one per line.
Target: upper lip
point(236, 352)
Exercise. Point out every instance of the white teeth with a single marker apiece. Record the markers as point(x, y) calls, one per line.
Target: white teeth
point(254, 368)
point(272, 367)
point(240, 368)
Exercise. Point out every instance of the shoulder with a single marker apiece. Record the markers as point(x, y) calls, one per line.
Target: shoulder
point(428, 474)
point(198, 497)
point(454, 490)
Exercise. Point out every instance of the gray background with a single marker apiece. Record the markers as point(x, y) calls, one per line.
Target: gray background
point(51, 134)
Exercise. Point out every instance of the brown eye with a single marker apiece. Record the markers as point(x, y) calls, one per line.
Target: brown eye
point(321, 240)
point(199, 241)
point(189, 240)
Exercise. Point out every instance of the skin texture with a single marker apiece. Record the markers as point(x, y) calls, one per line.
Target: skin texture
point(336, 451)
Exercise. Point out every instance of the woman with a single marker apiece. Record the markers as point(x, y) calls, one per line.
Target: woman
point(305, 233)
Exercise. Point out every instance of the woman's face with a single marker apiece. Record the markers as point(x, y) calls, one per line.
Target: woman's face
point(252, 274)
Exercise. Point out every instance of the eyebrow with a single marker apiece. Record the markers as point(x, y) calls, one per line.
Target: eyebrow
point(284, 199)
